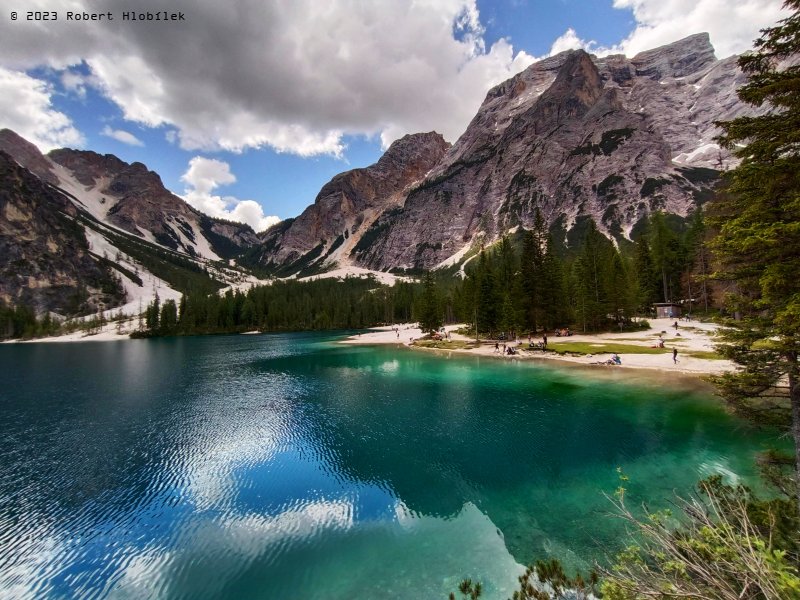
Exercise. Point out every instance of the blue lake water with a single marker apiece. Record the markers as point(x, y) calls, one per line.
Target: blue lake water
point(290, 466)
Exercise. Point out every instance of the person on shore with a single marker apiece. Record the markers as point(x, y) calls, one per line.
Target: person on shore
point(496, 347)
point(676, 326)
point(544, 342)
point(674, 356)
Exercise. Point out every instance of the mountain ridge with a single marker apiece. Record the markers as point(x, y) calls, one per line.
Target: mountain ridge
point(573, 136)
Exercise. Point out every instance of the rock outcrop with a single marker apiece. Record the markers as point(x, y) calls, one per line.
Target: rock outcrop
point(348, 205)
point(45, 260)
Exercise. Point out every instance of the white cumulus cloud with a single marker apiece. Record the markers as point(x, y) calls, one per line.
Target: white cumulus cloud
point(122, 136)
point(26, 107)
point(570, 40)
point(203, 176)
point(294, 76)
point(732, 24)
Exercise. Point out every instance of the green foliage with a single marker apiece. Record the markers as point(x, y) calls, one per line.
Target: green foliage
point(665, 253)
point(602, 348)
point(554, 584)
point(600, 283)
point(152, 315)
point(526, 282)
point(21, 322)
point(371, 235)
point(352, 303)
point(487, 297)
point(168, 320)
point(468, 590)
point(726, 544)
point(430, 316)
point(757, 245)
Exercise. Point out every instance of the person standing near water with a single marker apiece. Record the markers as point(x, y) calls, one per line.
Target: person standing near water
point(675, 356)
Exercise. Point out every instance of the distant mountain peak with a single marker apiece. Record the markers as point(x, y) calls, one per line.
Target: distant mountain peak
point(27, 155)
point(678, 59)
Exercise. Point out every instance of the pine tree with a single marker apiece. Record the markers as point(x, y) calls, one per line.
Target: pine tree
point(533, 256)
point(589, 271)
point(168, 321)
point(647, 281)
point(758, 244)
point(487, 297)
point(152, 314)
point(430, 318)
point(663, 251)
point(552, 292)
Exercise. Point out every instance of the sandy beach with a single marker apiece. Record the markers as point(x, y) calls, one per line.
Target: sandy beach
point(691, 337)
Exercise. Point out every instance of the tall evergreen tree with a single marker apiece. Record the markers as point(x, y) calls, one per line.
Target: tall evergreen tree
point(663, 251)
point(507, 264)
point(647, 280)
point(533, 254)
point(758, 244)
point(152, 314)
point(430, 317)
point(487, 302)
point(697, 261)
point(618, 288)
point(168, 321)
point(552, 291)
point(589, 270)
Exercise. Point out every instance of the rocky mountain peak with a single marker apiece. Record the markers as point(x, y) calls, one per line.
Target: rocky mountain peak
point(86, 166)
point(27, 155)
point(679, 59)
point(350, 203)
point(409, 148)
point(577, 87)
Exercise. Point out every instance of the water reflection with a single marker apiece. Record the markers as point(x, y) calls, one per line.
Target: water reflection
point(283, 466)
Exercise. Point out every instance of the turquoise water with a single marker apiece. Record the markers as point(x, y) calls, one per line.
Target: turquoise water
point(289, 466)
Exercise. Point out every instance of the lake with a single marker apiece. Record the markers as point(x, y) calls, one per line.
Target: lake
point(291, 466)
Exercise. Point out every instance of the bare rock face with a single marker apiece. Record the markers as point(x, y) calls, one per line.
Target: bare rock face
point(45, 262)
point(134, 199)
point(347, 205)
point(27, 155)
point(573, 136)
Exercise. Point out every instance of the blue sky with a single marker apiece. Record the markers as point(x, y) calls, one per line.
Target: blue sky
point(266, 101)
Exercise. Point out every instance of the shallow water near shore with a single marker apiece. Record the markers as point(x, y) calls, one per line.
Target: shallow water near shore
point(290, 466)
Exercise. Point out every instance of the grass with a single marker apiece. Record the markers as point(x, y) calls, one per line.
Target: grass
point(444, 344)
point(707, 354)
point(602, 348)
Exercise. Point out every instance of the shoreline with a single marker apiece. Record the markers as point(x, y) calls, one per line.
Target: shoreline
point(694, 337)
point(691, 338)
